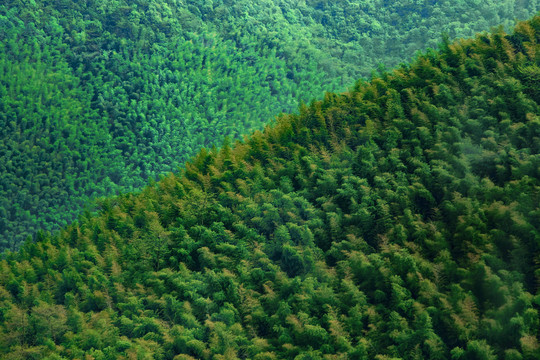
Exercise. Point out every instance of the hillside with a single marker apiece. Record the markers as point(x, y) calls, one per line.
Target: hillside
point(98, 97)
point(398, 220)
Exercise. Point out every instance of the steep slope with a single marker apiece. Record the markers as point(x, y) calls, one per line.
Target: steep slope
point(98, 97)
point(398, 220)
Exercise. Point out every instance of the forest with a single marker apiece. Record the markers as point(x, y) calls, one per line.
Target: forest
point(100, 97)
point(397, 220)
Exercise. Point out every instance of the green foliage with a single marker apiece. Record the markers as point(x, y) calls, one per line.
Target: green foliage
point(98, 98)
point(397, 220)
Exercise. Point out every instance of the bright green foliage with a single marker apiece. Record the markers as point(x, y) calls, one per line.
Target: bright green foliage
point(398, 220)
point(99, 97)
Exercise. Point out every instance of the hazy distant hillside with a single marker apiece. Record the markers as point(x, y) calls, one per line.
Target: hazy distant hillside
point(400, 219)
point(98, 97)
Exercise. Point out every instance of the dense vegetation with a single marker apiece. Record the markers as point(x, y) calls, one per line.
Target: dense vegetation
point(98, 97)
point(398, 220)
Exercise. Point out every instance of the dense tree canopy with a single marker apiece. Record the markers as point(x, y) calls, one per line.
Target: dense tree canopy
point(98, 97)
point(400, 219)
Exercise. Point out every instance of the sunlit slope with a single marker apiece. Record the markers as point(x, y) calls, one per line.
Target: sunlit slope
point(98, 97)
point(398, 220)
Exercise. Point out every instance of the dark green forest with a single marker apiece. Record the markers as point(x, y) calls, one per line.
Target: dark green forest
point(398, 220)
point(101, 97)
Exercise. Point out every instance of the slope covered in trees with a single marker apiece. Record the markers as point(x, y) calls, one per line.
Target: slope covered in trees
point(398, 220)
point(99, 96)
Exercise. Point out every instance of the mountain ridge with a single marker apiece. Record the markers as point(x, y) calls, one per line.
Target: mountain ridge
point(128, 91)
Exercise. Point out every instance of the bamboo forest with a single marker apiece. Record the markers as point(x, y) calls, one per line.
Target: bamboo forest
point(101, 97)
point(280, 179)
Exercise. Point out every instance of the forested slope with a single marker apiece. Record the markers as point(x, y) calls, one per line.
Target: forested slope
point(100, 96)
point(398, 220)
